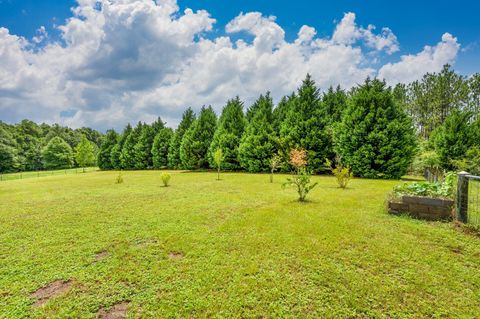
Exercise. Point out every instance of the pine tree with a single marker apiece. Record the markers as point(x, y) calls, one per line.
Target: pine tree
point(258, 142)
point(228, 134)
point(116, 153)
point(174, 148)
point(160, 147)
point(143, 148)
point(454, 138)
point(334, 102)
point(375, 138)
point(57, 154)
point(304, 126)
point(104, 158)
point(281, 111)
point(196, 141)
point(127, 156)
point(84, 153)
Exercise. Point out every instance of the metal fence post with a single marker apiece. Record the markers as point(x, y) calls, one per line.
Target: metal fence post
point(462, 197)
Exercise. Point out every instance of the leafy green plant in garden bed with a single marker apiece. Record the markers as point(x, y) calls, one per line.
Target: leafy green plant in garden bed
point(443, 189)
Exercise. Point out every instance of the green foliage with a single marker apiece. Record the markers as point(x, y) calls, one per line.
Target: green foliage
point(301, 180)
point(375, 138)
point(28, 137)
point(143, 148)
point(470, 163)
point(104, 157)
point(116, 153)
point(301, 175)
point(275, 163)
point(8, 159)
point(305, 124)
point(128, 157)
point(218, 159)
point(174, 160)
point(228, 134)
point(334, 102)
point(454, 138)
point(165, 179)
point(341, 173)
point(196, 141)
point(444, 189)
point(84, 153)
point(258, 142)
point(57, 154)
point(281, 111)
point(160, 147)
point(432, 99)
point(427, 163)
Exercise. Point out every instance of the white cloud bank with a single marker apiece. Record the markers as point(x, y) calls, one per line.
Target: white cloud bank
point(125, 60)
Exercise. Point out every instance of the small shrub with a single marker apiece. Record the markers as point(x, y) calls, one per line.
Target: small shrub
point(342, 174)
point(119, 179)
point(218, 158)
point(165, 179)
point(301, 176)
point(275, 163)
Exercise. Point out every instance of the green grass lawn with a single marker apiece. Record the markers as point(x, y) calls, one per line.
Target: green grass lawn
point(236, 248)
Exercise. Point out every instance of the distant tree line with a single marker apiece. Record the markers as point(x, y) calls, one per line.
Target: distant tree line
point(376, 130)
point(27, 146)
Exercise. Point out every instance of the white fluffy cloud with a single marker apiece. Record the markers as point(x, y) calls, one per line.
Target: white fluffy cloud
point(431, 59)
point(130, 60)
point(347, 32)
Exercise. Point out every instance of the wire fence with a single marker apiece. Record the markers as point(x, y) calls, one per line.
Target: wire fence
point(34, 174)
point(468, 199)
point(473, 210)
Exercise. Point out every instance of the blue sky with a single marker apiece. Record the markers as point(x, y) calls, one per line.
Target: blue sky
point(415, 23)
point(130, 60)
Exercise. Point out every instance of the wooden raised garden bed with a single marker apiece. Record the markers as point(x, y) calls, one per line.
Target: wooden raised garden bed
point(423, 207)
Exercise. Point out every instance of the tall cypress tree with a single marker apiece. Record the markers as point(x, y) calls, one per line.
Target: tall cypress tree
point(280, 112)
point(196, 141)
point(454, 138)
point(160, 147)
point(375, 138)
point(127, 156)
point(305, 124)
point(334, 103)
point(174, 148)
point(143, 148)
point(228, 134)
point(116, 152)
point(104, 157)
point(257, 145)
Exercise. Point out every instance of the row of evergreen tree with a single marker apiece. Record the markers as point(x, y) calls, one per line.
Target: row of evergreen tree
point(365, 128)
point(372, 128)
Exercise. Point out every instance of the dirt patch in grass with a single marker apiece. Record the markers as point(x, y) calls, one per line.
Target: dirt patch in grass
point(175, 255)
point(101, 255)
point(53, 289)
point(146, 241)
point(456, 249)
point(117, 311)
